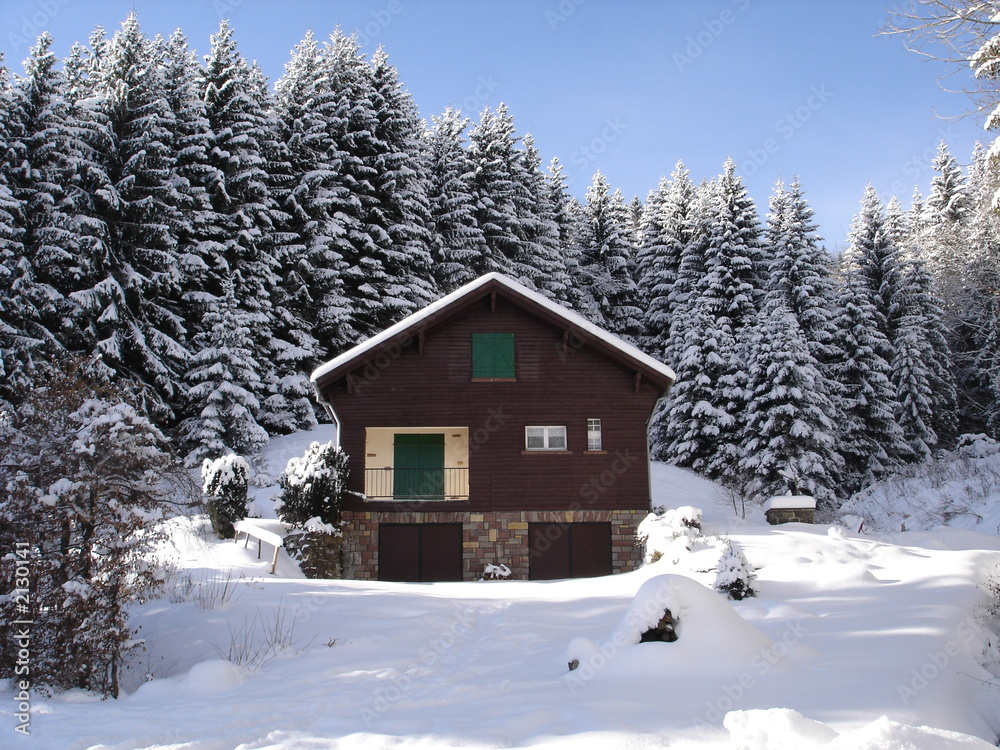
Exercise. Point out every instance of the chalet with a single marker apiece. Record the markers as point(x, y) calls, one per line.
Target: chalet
point(493, 427)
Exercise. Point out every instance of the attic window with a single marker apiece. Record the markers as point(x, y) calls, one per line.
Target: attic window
point(493, 356)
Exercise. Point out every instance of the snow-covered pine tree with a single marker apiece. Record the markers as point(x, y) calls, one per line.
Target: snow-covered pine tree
point(223, 379)
point(249, 216)
point(667, 229)
point(566, 214)
point(400, 280)
point(695, 419)
point(456, 239)
point(873, 253)
point(871, 442)
point(921, 323)
point(735, 269)
point(44, 265)
point(801, 271)
point(541, 259)
point(130, 309)
point(16, 344)
point(312, 285)
point(198, 227)
point(492, 149)
point(788, 427)
point(605, 255)
point(734, 575)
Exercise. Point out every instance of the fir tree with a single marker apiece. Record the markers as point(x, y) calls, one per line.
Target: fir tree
point(605, 253)
point(457, 241)
point(788, 429)
point(223, 378)
point(667, 229)
point(871, 443)
point(130, 310)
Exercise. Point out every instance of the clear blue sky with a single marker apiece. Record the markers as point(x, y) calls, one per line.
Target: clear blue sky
point(785, 87)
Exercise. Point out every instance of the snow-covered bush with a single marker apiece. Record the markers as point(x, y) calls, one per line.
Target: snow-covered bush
point(312, 486)
point(959, 488)
point(734, 574)
point(663, 532)
point(225, 481)
point(496, 572)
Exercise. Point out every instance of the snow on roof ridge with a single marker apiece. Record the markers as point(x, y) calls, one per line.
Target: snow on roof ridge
point(570, 315)
point(779, 502)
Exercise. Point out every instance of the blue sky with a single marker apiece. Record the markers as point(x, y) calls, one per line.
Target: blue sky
point(785, 87)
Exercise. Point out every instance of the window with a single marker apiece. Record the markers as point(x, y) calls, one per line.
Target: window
point(493, 356)
point(594, 435)
point(552, 438)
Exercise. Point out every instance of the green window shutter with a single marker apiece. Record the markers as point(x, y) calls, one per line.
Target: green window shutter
point(493, 355)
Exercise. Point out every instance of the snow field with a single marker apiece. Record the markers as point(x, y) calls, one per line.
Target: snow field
point(854, 642)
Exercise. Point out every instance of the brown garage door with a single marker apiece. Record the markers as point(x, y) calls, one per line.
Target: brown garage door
point(569, 550)
point(420, 552)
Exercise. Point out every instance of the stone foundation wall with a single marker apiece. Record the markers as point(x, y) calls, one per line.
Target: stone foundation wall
point(488, 538)
point(777, 516)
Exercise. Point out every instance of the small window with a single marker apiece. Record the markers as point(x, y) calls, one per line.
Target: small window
point(551, 438)
point(493, 356)
point(594, 435)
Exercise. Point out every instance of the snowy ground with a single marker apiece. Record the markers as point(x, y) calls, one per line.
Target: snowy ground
point(865, 637)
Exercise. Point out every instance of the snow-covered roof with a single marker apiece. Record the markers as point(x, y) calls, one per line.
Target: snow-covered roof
point(572, 319)
point(782, 502)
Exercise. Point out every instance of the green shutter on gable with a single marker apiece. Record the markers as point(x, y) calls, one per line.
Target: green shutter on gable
point(493, 355)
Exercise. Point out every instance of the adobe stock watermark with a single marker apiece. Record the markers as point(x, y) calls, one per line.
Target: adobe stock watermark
point(30, 26)
point(712, 28)
point(761, 664)
point(561, 13)
point(936, 661)
point(486, 85)
point(589, 152)
point(430, 653)
point(21, 635)
point(785, 128)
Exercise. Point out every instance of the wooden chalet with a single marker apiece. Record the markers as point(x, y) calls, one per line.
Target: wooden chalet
point(493, 427)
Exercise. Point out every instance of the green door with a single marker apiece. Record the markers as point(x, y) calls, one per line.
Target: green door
point(418, 462)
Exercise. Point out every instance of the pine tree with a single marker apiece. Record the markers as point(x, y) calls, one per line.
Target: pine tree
point(249, 219)
point(223, 380)
point(457, 241)
point(130, 310)
point(735, 273)
point(606, 250)
point(667, 229)
point(695, 419)
point(492, 149)
point(16, 343)
point(312, 283)
point(801, 271)
point(45, 265)
point(871, 442)
point(540, 257)
point(788, 429)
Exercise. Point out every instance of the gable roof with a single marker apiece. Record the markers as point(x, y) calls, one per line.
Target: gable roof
point(593, 336)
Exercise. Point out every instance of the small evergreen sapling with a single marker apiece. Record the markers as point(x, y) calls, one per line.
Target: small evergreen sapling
point(734, 573)
point(225, 481)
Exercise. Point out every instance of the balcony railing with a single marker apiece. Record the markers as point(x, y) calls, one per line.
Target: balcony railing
point(435, 484)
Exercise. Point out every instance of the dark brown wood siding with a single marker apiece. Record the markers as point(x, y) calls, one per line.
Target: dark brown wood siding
point(559, 381)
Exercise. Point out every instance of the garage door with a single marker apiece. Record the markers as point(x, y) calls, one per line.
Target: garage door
point(420, 552)
point(569, 550)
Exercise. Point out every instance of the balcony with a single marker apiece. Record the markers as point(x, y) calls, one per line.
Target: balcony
point(417, 484)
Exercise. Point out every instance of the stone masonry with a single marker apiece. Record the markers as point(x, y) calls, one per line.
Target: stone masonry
point(488, 538)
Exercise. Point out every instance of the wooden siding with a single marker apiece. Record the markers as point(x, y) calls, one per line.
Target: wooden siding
point(559, 380)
